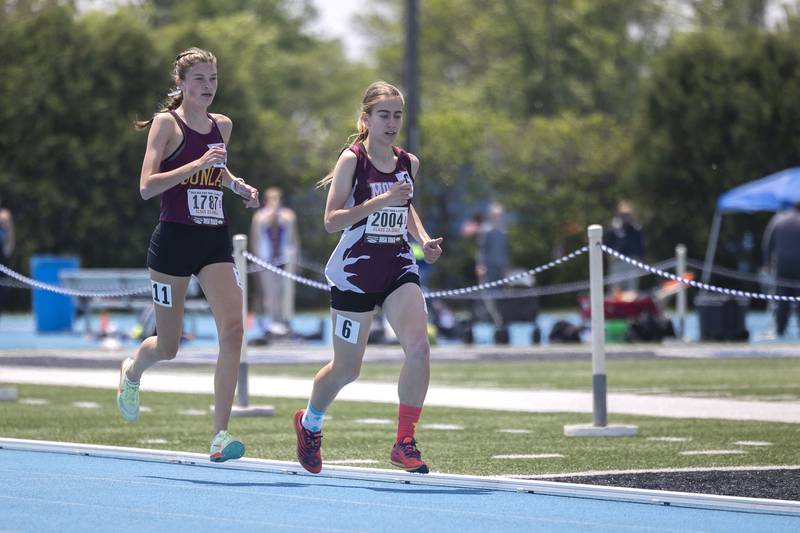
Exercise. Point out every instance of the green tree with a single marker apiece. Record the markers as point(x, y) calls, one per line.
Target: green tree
point(73, 83)
point(732, 15)
point(719, 110)
point(524, 58)
point(527, 103)
point(68, 153)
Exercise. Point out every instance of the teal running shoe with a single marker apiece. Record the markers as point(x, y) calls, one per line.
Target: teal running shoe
point(127, 393)
point(224, 446)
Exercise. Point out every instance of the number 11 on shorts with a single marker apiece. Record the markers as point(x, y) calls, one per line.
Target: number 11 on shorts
point(347, 329)
point(162, 293)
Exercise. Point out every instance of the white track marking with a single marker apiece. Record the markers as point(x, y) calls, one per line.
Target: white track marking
point(529, 456)
point(714, 452)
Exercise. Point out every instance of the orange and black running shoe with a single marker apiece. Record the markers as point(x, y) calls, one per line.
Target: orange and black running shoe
point(309, 444)
point(405, 455)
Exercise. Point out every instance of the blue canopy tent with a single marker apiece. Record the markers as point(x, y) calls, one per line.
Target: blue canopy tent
point(772, 193)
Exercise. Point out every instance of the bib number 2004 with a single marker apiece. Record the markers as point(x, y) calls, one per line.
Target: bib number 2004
point(387, 225)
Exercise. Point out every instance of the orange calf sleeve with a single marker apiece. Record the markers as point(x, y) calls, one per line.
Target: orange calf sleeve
point(407, 419)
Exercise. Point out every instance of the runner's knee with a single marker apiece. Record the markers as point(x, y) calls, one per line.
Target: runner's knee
point(167, 349)
point(344, 374)
point(231, 331)
point(419, 349)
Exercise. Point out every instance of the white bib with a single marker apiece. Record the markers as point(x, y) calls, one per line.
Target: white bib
point(205, 206)
point(387, 226)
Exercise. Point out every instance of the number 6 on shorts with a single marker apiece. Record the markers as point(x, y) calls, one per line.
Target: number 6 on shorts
point(347, 329)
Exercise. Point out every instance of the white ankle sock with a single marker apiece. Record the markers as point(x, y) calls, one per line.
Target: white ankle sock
point(312, 418)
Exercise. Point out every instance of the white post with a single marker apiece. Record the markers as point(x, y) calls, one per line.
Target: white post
point(239, 246)
point(680, 299)
point(597, 297)
point(599, 427)
point(243, 407)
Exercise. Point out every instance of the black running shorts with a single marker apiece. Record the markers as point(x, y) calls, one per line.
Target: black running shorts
point(361, 302)
point(182, 250)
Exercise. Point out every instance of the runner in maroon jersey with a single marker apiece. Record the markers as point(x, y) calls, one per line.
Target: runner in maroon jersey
point(370, 202)
point(185, 164)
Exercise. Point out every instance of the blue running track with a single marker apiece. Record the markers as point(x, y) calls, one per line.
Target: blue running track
point(46, 486)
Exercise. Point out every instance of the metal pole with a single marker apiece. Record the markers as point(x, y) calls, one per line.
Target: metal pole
point(410, 75)
point(680, 299)
point(239, 246)
point(711, 250)
point(597, 297)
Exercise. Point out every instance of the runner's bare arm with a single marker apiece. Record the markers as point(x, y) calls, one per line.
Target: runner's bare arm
point(337, 217)
point(151, 181)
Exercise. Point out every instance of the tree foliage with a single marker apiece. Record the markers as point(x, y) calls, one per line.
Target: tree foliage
point(73, 83)
point(70, 159)
point(554, 108)
point(718, 110)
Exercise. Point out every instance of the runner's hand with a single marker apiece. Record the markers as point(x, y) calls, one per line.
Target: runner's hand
point(432, 250)
point(398, 195)
point(214, 156)
point(249, 194)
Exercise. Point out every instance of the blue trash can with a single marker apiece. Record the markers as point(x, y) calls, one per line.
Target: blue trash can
point(52, 312)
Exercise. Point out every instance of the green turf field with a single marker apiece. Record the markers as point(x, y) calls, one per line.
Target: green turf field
point(762, 379)
point(169, 425)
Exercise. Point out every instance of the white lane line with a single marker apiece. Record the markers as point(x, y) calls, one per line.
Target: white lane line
point(154, 441)
point(34, 401)
point(528, 456)
point(443, 427)
point(192, 412)
point(515, 431)
point(373, 421)
point(86, 405)
point(669, 439)
point(351, 462)
point(752, 443)
point(714, 452)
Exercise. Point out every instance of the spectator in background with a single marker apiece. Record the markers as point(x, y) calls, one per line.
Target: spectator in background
point(493, 258)
point(274, 238)
point(627, 237)
point(471, 226)
point(781, 247)
point(469, 234)
point(492, 262)
point(6, 243)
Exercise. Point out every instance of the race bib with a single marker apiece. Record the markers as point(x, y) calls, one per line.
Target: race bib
point(387, 226)
point(406, 177)
point(205, 206)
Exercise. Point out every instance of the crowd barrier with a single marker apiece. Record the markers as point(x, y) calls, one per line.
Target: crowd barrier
point(596, 283)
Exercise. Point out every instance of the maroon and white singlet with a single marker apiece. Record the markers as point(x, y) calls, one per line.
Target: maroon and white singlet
point(374, 252)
